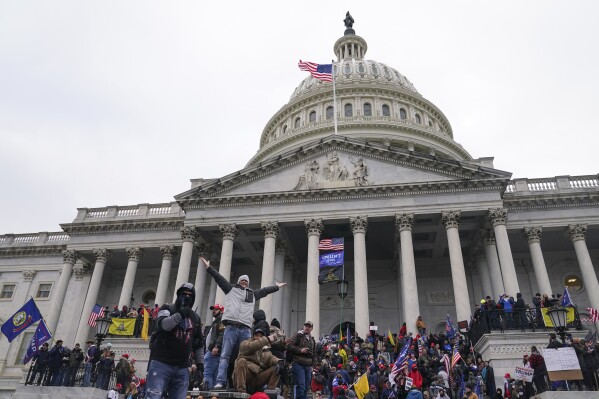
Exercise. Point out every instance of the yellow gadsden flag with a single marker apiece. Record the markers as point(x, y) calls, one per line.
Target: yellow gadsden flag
point(122, 326)
point(146, 325)
point(390, 338)
point(361, 386)
point(570, 316)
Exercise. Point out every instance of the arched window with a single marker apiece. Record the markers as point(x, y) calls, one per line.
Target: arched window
point(403, 114)
point(284, 129)
point(430, 123)
point(385, 110)
point(297, 122)
point(330, 111)
point(418, 120)
point(312, 117)
point(349, 110)
point(367, 109)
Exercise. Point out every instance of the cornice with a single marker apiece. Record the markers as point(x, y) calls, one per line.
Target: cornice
point(123, 226)
point(551, 201)
point(286, 197)
point(45, 250)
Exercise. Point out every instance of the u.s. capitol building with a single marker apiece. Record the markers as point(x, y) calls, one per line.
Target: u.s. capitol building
point(429, 229)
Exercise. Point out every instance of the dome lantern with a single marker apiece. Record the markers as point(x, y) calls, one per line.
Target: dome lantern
point(350, 46)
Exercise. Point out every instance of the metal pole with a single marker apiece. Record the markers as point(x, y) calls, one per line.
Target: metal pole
point(334, 105)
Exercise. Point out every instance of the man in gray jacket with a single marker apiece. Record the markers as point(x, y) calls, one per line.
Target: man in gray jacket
point(239, 310)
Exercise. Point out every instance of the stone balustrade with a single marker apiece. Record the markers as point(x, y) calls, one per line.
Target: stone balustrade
point(19, 240)
point(141, 211)
point(553, 184)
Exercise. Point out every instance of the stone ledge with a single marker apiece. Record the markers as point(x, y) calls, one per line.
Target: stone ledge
point(35, 392)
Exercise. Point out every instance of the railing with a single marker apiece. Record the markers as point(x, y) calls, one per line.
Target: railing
point(499, 321)
point(71, 376)
point(33, 239)
point(141, 210)
point(553, 183)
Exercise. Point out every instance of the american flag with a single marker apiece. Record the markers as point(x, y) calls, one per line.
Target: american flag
point(322, 72)
point(331, 244)
point(97, 313)
point(594, 314)
point(402, 361)
point(456, 357)
point(445, 361)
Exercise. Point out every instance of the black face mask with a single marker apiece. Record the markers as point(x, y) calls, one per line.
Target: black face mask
point(184, 301)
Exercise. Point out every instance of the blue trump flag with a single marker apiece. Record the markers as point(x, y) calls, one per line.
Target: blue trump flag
point(566, 300)
point(22, 319)
point(449, 330)
point(331, 267)
point(41, 335)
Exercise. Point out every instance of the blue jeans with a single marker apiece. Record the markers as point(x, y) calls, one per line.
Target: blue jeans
point(164, 378)
point(232, 337)
point(302, 376)
point(210, 369)
point(87, 376)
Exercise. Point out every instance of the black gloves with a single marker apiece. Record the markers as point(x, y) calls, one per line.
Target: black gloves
point(185, 312)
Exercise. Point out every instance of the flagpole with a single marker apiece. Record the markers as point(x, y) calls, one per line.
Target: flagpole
point(334, 96)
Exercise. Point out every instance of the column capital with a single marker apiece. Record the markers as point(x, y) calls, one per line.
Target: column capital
point(404, 221)
point(79, 273)
point(289, 262)
point(479, 251)
point(70, 256)
point(577, 232)
point(228, 231)
point(451, 219)
point(189, 233)
point(314, 227)
point(101, 254)
point(134, 253)
point(533, 233)
point(497, 216)
point(28, 275)
point(358, 224)
point(280, 245)
point(270, 229)
point(488, 236)
point(203, 249)
point(168, 252)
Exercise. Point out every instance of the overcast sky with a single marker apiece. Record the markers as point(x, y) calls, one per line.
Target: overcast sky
point(122, 102)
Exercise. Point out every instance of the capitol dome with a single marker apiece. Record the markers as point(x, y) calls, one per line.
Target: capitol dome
point(374, 102)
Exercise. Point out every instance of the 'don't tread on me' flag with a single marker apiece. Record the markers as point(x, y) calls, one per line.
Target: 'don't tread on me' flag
point(322, 72)
point(23, 318)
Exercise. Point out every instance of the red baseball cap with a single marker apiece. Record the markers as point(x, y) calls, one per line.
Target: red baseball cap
point(217, 306)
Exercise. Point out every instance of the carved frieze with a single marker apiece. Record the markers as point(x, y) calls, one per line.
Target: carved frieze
point(358, 224)
point(533, 234)
point(168, 252)
point(314, 226)
point(228, 231)
point(28, 275)
point(334, 301)
point(270, 229)
point(332, 172)
point(577, 232)
point(70, 256)
point(497, 216)
point(451, 219)
point(404, 221)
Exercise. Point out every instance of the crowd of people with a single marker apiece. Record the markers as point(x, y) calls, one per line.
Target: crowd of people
point(241, 351)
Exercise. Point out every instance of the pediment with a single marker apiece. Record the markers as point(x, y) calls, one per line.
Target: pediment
point(339, 163)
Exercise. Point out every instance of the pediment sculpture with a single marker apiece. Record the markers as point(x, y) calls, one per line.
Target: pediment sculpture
point(334, 173)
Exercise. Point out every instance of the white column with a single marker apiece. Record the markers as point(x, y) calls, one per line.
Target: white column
point(577, 233)
point(498, 218)
point(188, 235)
point(134, 254)
point(533, 236)
point(212, 293)
point(409, 286)
point(493, 263)
point(485, 277)
point(168, 253)
point(286, 315)
point(271, 231)
point(314, 228)
point(200, 282)
point(277, 297)
point(92, 293)
point(229, 233)
point(358, 226)
point(69, 257)
point(451, 220)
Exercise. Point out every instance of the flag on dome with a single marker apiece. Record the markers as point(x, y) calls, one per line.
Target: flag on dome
point(322, 72)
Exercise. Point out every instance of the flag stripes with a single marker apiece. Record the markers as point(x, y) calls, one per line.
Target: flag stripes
point(97, 313)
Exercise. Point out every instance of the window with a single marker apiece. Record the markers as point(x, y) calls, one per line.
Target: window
point(403, 114)
point(297, 122)
point(430, 123)
point(418, 120)
point(43, 290)
point(330, 112)
point(367, 109)
point(284, 129)
point(149, 296)
point(386, 111)
point(312, 117)
point(7, 291)
point(347, 69)
point(573, 282)
point(349, 110)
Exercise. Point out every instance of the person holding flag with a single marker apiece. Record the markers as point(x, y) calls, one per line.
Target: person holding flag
point(40, 358)
point(401, 363)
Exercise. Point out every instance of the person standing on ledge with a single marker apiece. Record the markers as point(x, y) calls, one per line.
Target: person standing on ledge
point(239, 310)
